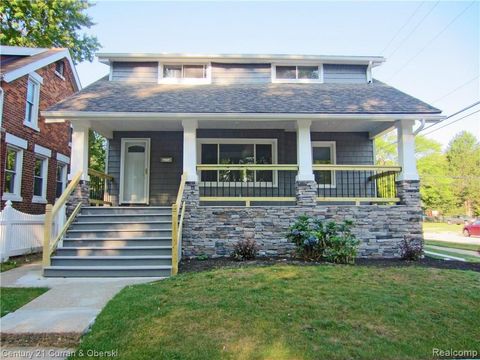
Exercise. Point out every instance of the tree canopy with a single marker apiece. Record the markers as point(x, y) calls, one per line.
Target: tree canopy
point(48, 23)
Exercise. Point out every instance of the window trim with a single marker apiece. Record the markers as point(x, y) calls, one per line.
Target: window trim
point(206, 80)
point(36, 102)
point(297, 81)
point(333, 152)
point(240, 141)
point(64, 176)
point(17, 186)
point(58, 73)
point(41, 199)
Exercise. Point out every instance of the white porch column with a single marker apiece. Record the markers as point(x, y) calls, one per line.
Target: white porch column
point(304, 151)
point(406, 150)
point(79, 158)
point(190, 149)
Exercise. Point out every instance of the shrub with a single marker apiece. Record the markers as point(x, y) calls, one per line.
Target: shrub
point(330, 241)
point(410, 250)
point(245, 250)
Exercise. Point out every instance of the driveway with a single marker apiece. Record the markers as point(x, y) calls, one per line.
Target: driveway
point(451, 237)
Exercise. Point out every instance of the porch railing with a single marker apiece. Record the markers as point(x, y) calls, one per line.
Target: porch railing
point(100, 188)
point(177, 225)
point(356, 183)
point(247, 182)
point(56, 223)
point(259, 183)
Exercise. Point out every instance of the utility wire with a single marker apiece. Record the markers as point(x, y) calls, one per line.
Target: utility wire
point(452, 115)
point(453, 122)
point(412, 15)
point(432, 40)
point(455, 90)
point(414, 29)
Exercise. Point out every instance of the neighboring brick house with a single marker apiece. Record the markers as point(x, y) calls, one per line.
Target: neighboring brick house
point(34, 156)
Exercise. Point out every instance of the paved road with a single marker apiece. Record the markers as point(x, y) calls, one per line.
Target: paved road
point(452, 237)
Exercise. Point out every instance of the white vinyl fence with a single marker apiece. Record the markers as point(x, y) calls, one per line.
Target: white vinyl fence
point(20, 233)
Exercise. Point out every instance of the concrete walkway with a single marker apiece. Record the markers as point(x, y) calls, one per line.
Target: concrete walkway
point(455, 251)
point(65, 312)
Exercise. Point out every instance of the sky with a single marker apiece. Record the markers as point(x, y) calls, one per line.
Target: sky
point(432, 48)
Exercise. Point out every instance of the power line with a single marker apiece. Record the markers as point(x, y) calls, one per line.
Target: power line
point(412, 15)
point(432, 40)
point(456, 89)
point(414, 29)
point(453, 122)
point(452, 115)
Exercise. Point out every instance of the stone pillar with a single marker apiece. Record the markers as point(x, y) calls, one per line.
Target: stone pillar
point(306, 193)
point(81, 194)
point(191, 194)
point(409, 192)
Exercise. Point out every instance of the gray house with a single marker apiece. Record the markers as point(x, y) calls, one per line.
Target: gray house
point(240, 145)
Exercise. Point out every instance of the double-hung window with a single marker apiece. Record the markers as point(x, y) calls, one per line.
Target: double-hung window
point(323, 153)
point(13, 174)
point(297, 73)
point(61, 180)
point(238, 152)
point(40, 171)
point(31, 104)
point(185, 73)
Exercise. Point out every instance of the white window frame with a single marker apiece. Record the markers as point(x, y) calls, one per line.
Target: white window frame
point(17, 186)
point(297, 81)
point(61, 75)
point(41, 199)
point(240, 141)
point(182, 80)
point(36, 80)
point(64, 176)
point(332, 145)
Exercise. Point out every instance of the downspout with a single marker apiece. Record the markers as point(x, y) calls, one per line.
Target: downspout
point(2, 130)
point(420, 128)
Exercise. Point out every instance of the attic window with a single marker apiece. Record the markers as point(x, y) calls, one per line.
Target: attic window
point(185, 73)
point(297, 73)
point(59, 68)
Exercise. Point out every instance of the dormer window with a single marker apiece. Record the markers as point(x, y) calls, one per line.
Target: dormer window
point(60, 68)
point(296, 73)
point(185, 73)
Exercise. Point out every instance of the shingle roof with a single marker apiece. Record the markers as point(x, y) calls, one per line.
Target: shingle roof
point(116, 96)
point(21, 61)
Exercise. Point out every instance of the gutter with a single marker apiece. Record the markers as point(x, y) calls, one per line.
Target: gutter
point(420, 128)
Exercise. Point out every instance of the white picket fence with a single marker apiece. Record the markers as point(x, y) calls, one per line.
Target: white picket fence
point(22, 233)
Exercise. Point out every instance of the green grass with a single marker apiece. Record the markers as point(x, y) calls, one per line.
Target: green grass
point(442, 227)
point(12, 299)
point(17, 261)
point(452, 253)
point(293, 312)
point(453, 245)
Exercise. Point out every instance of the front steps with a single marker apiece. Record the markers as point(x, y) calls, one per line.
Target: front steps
point(116, 242)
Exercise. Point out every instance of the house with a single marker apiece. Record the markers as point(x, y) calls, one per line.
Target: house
point(240, 145)
point(34, 155)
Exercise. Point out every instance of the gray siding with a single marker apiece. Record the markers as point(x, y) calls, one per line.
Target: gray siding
point(240, 73)
point(347, 74)
point(135, 71)
point(351, 148)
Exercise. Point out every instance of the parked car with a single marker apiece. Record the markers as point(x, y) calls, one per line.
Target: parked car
point(458, 220)
point(472, 229)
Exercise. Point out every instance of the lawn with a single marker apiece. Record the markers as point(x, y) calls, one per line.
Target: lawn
point(442, 227)
point(293, 312)
point(453, 245)
point(17, 261)
point(12, 299)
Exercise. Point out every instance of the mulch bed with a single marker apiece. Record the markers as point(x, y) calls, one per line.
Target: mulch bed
point(195, 265)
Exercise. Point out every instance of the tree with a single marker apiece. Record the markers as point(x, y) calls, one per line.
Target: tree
point(97, 148)
point(48, 23)
point(463, 155)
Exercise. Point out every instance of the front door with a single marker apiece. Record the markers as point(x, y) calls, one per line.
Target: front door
point(134, 171)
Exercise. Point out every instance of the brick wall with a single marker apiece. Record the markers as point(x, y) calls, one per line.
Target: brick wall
point(55, 137)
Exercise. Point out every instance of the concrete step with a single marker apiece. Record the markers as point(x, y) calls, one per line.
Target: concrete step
point(125, 234)
point(108, 271)
point(117, 242)
point(125, 261)
point(123, 217)
point(126, 210)
point(121, 225)
point(114, 251)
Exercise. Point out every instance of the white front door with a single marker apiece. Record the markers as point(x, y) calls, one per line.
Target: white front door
point(135, 171)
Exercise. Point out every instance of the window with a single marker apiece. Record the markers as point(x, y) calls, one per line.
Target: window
point(13, 174)
point(297, 73)
point(237, 151)
point(31, 107)
point(189, 73)
point(61, 179)
point(59, 68)
point(40, 179)
point(323, 153)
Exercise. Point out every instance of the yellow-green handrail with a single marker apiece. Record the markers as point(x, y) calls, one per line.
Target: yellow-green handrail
point(285, 167)
point(175, 225)
point(100, 174)
point(356, 167)
point(50, 212)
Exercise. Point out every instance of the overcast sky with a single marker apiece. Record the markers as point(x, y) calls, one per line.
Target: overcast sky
point(432, 47)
